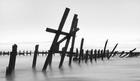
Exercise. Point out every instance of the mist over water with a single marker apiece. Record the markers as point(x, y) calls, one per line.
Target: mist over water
point(115, 69)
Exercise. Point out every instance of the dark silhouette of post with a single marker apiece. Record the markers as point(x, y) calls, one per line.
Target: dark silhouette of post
point(72, 30)
point(99, 53)
point(105, 47)
point(52, 48)
point(86, 56)
point(12, 60)
point(95, 55)
point(74, 24)
point(76, 55)
point(35, 56)
point(112, 51)
point(91, 55)
point(81, 50)
point(102, 54)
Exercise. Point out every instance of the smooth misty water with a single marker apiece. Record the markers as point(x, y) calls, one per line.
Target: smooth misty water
point(115, 69)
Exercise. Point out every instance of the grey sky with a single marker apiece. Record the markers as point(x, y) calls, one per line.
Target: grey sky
point(116, 20)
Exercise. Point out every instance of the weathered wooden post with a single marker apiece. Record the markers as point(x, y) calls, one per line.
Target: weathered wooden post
point(12, 60)
point(72, 30)
point(35, 56)
point(86, 56)
point(95, 55)
point(99, 53)
point(81, 50)
point(76, 55)
point(74, 24)
point(112, 51)
point(58, 32)
point(91, 55)
point(102, 54)
point(105, 47)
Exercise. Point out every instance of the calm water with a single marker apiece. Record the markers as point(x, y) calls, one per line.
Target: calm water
point(115, 69)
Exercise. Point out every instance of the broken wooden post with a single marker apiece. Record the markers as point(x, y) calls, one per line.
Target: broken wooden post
point(35, 56)
point(112, 51)
point(58, 32)
point(81, 50)
point(12, 60)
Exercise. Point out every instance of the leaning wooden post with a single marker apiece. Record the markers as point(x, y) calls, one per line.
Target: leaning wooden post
point(105, 47)
point(112, 51)
point(74, 24)
point(52, 48)
point(35, 56)
point(12, 60)
point(81, 50)
point(67, 42)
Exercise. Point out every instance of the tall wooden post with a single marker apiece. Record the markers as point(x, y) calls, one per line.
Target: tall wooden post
point(67, 42)
point(49, 57)
point(12, 60)
point(81, 50)
point(35, 56)
point(74, 24)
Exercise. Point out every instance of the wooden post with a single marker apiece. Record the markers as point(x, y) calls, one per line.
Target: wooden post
point(91, 55)
point(12, 60)
point(49, 57)
point(95, 55)
point(112, 51)
point(86, 56)
point(81, 50)
point(35, 56)
point(74, 24)
point(105, 47)
point(67, 42)
point(107, 54)
point(102, 54)
point(76, 55)
point(99, 53)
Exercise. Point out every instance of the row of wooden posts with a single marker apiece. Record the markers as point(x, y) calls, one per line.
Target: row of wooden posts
point(23, 53)
point(54, 48)
point(77, 56)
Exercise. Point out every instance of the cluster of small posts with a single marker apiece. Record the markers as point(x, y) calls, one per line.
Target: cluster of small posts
point(77, 56)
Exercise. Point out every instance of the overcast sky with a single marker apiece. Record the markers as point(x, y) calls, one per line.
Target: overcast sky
point(116, 20)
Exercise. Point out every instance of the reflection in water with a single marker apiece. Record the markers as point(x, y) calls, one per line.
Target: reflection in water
point(115, 69)
point(10, 77)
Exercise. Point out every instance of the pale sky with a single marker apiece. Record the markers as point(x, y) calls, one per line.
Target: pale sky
point(24, 21)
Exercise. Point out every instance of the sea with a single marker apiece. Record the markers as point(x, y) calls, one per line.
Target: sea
point(115, 69)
